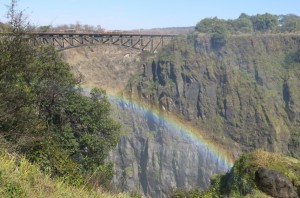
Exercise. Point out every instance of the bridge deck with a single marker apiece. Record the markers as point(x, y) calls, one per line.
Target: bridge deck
point(65, 34)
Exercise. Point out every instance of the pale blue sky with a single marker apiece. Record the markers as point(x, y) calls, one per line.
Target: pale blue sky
point(135, 14)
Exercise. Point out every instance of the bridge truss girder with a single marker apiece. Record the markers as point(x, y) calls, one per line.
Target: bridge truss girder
point(65, 41)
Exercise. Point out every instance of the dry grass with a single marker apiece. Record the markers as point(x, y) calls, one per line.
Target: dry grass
point(265, 159)
point(268, 159)
point(20, 178)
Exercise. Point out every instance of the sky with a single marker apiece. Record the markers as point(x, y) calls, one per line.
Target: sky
point(143, 14)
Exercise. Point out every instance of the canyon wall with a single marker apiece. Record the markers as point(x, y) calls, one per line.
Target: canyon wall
point(243, 94)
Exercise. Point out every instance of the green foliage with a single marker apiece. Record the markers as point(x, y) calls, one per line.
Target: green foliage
point(44, 28)
point(264, 22)
point(12, 190)
point(290, 23)
point(84, 129)
point(54, 161)
point(195, 193)
point(219, 36)
point(207, 25)
point(19, 179)
point(238, 181)
point(178, 194)
point(211, 25)
point(218, 28)
point(44, 115)
point(243, 25)
point(248, 24)
point(178, 49)
point(135, 194)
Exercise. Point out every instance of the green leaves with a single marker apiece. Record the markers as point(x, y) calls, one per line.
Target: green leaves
point(264, 22)
point(43, 113)
point(94, 131)
point(289, 23)
point(210, 25)
point(248, 24)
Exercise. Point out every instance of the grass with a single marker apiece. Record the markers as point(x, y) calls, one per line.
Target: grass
point(19, 178)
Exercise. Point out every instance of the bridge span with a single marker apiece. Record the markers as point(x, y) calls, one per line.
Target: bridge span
point(61, 41)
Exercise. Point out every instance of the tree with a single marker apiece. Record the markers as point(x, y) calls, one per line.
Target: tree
point(205, 25)
point(218, 28)
point(219, 36)
point(210, 25)
point(43, 113)
point(290, 23)
point(243, 25)
point(15, 55)
point(45, 28)
point(264, 22)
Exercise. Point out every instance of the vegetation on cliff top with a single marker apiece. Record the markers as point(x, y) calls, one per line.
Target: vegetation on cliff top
point(221, 29)
point(248, 24)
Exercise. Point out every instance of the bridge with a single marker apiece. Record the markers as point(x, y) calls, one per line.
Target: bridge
point(61, 41)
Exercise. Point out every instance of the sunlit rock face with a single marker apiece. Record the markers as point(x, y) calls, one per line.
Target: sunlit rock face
point(158, 156)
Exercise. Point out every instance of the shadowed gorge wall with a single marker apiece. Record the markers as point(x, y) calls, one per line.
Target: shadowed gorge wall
point(244, 94)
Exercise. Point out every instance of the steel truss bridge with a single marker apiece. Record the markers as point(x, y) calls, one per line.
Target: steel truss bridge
point(61, 41)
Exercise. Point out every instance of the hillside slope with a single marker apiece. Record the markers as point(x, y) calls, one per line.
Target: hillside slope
point(105, 66)
point(20, 178)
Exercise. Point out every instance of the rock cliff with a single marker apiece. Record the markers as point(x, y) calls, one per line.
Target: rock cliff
point(245, 91)
point(155, 157)
point(243, 94)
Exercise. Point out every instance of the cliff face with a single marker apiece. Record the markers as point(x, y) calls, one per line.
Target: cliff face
point(155, 158)
point(105, 66)
point(245, 91)
point(244, 94)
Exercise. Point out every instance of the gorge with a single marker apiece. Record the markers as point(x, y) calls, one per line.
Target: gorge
point(239, 97)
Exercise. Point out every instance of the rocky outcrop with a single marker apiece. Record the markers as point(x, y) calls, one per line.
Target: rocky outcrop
point(259, 174)
point(275, 183)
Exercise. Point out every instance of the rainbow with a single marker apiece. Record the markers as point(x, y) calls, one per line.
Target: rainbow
point(177, 126)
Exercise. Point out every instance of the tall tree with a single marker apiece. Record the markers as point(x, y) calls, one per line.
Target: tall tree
point(43, 113)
